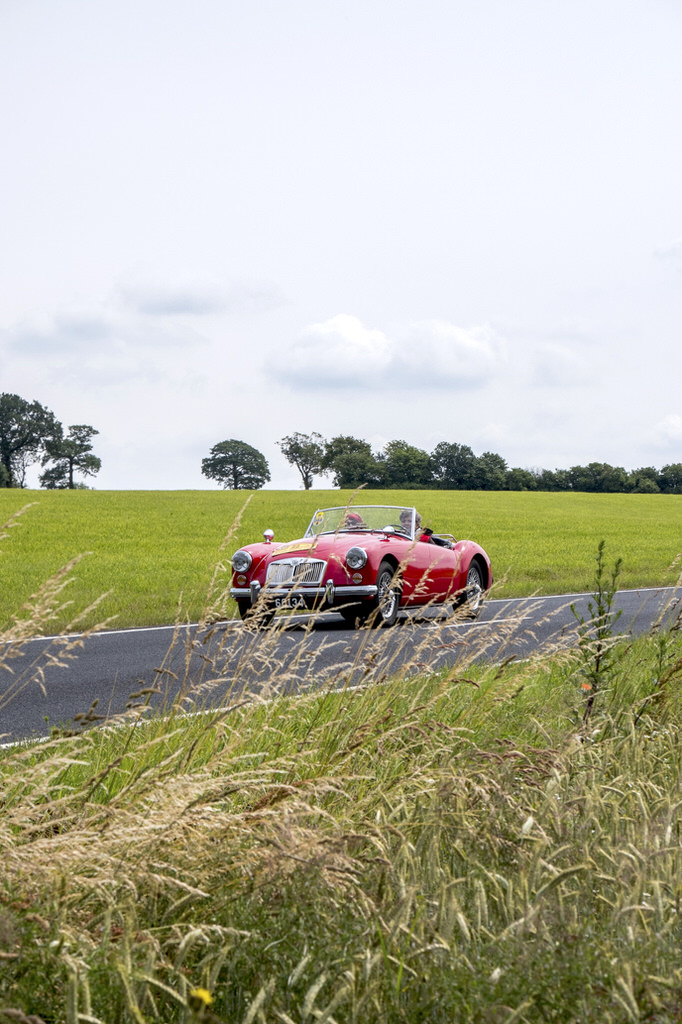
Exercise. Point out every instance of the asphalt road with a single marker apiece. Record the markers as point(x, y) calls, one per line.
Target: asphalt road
point(71, 682)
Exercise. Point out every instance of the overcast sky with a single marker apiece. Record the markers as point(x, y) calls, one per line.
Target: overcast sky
point(426, 220)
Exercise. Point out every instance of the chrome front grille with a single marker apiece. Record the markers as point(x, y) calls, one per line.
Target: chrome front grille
point(295, 571)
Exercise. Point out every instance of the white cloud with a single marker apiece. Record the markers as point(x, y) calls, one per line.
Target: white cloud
point(64, 332)
point(669, 430)
point(341, 352)
point(442, 355)
point(199, 298)
point(101, 345)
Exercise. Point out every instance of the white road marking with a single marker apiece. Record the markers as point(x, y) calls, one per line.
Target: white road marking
point(233, 623)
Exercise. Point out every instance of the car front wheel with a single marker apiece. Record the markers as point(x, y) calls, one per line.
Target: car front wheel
point(257, 615)
point(352, 614)
point(388, 597)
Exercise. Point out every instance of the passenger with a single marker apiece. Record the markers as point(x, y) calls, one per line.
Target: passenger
point(426, 535)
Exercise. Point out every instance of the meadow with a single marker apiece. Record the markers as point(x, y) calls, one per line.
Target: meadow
point(156, 555)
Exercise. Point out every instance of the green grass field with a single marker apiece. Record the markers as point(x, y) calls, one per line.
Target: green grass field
point(155, 553)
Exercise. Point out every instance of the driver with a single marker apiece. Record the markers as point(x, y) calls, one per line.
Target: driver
point(406, 521)
point(426, 535)
point(352, 521)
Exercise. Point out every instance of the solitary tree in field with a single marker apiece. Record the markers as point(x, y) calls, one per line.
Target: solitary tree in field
point(306, 453)
point(236, 466)
point(69, 455)
point(24, 429)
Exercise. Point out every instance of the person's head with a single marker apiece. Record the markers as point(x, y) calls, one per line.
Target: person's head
point(352, 519)
point(406, 519)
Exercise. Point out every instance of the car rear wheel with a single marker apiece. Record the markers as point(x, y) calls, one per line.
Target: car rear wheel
point(472, 600)
point(387, 601)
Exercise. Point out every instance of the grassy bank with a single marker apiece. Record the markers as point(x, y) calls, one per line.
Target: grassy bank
point(154, 553)
point(467, 846)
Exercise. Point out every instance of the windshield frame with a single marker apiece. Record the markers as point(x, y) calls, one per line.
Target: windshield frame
point(330, 520)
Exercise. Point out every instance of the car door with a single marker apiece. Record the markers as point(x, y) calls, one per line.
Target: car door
point(428, 572)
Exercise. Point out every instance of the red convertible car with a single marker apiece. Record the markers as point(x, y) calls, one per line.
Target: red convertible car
point(363, 561)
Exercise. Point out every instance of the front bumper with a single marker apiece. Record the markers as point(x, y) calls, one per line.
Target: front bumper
point(330, 594)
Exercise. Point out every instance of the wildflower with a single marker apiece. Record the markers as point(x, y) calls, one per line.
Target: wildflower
point(586, 686)
point(199, 1001)
point(201, 996)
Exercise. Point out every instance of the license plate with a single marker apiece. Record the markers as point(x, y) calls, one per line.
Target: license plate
point(294, 601)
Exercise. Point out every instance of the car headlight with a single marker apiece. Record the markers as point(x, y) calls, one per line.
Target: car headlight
point(356, 558)
point(241, 561)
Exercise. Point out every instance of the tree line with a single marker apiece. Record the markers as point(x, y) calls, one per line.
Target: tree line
point(350, 462)
point(30, 433)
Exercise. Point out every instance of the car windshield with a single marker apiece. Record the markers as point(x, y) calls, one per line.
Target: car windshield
point(363, 517)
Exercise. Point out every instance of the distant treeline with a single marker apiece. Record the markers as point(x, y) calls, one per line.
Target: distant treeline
point(452, 466)
point(350, 462)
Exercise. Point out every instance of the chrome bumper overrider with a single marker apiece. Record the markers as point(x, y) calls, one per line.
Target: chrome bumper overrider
point(331, 593)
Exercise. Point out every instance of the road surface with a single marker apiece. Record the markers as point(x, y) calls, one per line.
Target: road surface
point(70, 682)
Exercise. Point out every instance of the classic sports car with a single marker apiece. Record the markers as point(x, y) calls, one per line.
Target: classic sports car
point(364, 561)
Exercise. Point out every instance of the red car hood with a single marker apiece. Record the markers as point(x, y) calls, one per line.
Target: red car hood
point(321, 546)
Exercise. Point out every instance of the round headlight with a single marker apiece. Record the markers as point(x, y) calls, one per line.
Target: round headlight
point(356, 558)
point(241, 561)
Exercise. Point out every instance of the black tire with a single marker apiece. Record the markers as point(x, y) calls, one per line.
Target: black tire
point(258, 616)
point(471, 602)
point(352, 613)
point(387, 601)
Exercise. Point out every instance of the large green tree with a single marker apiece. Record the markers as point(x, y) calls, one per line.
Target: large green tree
point(306, 453)
point(670, 478)
point(236, 465)
point(552, 480)
point(491, 472)
point(406, 466)
point(454, 466)
point(69, 455)
point(519, 479)
point(350, 462)
point(644, 480)
point(598, 477)
point(24, 429)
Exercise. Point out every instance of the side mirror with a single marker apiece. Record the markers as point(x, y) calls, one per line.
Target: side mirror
point(268, 534)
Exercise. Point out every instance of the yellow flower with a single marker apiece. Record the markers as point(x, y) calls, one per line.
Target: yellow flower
point(199, 1001)
point(201, 995)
